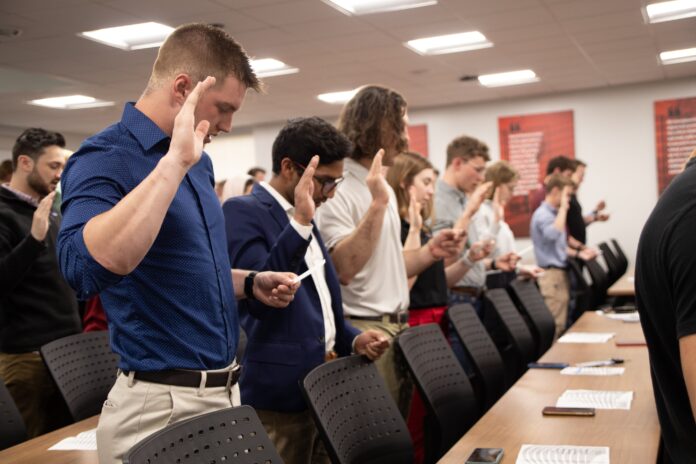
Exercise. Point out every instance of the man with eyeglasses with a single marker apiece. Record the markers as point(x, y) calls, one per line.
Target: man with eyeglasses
point(273, 229)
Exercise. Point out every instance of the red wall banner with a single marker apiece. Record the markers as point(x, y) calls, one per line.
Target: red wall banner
point(675, 137)
point(418, 139)
point(528, 142)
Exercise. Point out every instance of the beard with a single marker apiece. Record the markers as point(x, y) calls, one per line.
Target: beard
point(39, 185)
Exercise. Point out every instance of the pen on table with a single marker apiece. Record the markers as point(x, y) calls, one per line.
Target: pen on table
point(310, 270)
point(605, 362)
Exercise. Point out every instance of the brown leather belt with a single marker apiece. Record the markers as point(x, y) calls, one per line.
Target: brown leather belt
point(394, 318)
point(476, 292)
point(192, 379)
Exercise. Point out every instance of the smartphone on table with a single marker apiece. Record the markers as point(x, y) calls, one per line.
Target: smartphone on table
point(485, 456)
point(556, 411)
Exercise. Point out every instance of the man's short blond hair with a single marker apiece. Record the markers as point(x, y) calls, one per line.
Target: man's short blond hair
point(200, 50)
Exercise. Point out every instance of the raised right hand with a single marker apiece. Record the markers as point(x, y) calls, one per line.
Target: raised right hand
point(304, 194)
point(40, 221)
point(475, 199)
point(186, 146)
point(379, 189)
point(414, 210)
point(565, 197)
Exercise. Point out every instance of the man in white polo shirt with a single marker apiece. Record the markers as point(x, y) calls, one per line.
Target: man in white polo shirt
point(362, 229)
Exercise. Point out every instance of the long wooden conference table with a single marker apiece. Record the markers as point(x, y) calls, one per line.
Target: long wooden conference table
point(625, 286)
point(515, 419)
point(632, 435)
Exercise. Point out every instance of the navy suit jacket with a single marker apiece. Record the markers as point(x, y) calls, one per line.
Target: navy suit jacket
point(283, 344)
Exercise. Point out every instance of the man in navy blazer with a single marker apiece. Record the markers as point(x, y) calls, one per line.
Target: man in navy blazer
point(273, 229)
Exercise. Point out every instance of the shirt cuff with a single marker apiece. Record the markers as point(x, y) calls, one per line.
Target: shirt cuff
point(304, 231)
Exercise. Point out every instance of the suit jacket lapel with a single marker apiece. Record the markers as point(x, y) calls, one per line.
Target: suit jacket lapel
point(277, 212)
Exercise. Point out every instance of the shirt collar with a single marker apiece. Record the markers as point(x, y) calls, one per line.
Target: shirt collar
point(21, 195)
point(285, 204)
point(548, 206)
point(447, 188)
point(351, 166)
point(146, 132)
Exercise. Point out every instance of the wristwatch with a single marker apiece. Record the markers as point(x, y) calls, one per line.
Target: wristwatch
point(249, 285)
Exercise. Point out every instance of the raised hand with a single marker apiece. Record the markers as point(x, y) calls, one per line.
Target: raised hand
point(475, 199)
point(565, 197)
point(414, 210)
point(379, 189)
point(186, 146)
point(304, 194)
point(276, 289)
point(498, 208)
point(40, 222)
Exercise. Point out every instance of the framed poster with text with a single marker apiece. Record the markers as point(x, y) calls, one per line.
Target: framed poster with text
point(528, 142)
point(675, 137)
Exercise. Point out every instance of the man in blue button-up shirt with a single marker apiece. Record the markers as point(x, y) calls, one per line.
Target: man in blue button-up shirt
point(143, 228)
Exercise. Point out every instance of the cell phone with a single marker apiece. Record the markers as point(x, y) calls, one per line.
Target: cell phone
point(547, 365)
point(555, 411)
point(485, 456)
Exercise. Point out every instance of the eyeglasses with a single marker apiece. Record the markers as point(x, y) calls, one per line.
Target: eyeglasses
point(328, 184)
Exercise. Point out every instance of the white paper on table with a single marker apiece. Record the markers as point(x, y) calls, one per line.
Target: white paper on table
point(84, 441)
point(598, 399)
point(563, 454)
point(626, 317)
point(601, 371)
point(586, 337)
point(631, 279)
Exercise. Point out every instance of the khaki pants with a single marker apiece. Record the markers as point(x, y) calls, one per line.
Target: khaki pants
point(134, 410)
point(39, 402)
point(395, 374)
point(295, 436)
point(555, 289)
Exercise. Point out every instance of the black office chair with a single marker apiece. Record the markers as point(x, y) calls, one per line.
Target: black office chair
point(233, 435)
point(355, 414)
point(531, 304)
point(443, 385)
point(623, 260)
point(581, 293)
point(600, 283)
point(489, 378)
point(84, 369)
point(612, 262)
point(12, 430)
point(519, 349)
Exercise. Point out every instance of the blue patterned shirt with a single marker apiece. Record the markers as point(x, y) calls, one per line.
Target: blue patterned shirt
point(550, 244)
point(177, 308)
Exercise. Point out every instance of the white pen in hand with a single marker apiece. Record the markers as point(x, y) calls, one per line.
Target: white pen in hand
point(310, 270)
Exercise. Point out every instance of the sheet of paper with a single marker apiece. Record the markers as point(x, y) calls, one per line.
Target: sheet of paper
point(84, 441)
point(586, 337)
point(598, 399)
point(601, 371)
point(626, 317)
point(559, 454)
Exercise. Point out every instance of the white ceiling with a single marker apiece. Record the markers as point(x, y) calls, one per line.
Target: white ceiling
point(571, 44)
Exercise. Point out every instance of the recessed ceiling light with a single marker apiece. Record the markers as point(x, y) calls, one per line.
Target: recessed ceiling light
point(71, 102)
point(269, 67)
point(524, 76)
point(361, 7)
point(131, 37)
point(336, 98)
point(450, 43)
point(678, 56)
point(669, 11)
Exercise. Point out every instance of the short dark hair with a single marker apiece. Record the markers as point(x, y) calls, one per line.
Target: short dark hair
point(467, 148)
point(561, 162)
point(5, 169)
point(253, 171)
point(557, 181)
point(374, 119)
point(32, 143)
point(302, 138)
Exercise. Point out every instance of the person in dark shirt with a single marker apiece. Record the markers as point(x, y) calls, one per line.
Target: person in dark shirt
point(577, 222)
point(37, 305)
point(666, 301)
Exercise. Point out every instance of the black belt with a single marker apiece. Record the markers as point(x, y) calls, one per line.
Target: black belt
point(562, 268)
point(192, 379)
point(394, 318)
point(475, 292)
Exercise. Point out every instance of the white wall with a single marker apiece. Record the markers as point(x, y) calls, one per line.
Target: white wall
point(232, 155)
point(614, 135)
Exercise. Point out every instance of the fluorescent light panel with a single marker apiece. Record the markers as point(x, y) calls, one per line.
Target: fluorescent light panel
point(450, 43)
point(670, 11)
point(361, 7)
point(70, 102)
point(269, 67)
point(131, 37)
point(336, 98)
point(678, 56)
point(524, 76)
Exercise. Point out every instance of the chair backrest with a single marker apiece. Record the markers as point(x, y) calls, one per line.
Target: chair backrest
point(12, 430)
point(446, 391)
point(623, 260)
point(233, 435)
point(485, 357)
point(355, 414)
point(582, 293)
point(531, 303)
point(519, 335)
point(612, 262)
point(600, 282)
point(84, 369)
